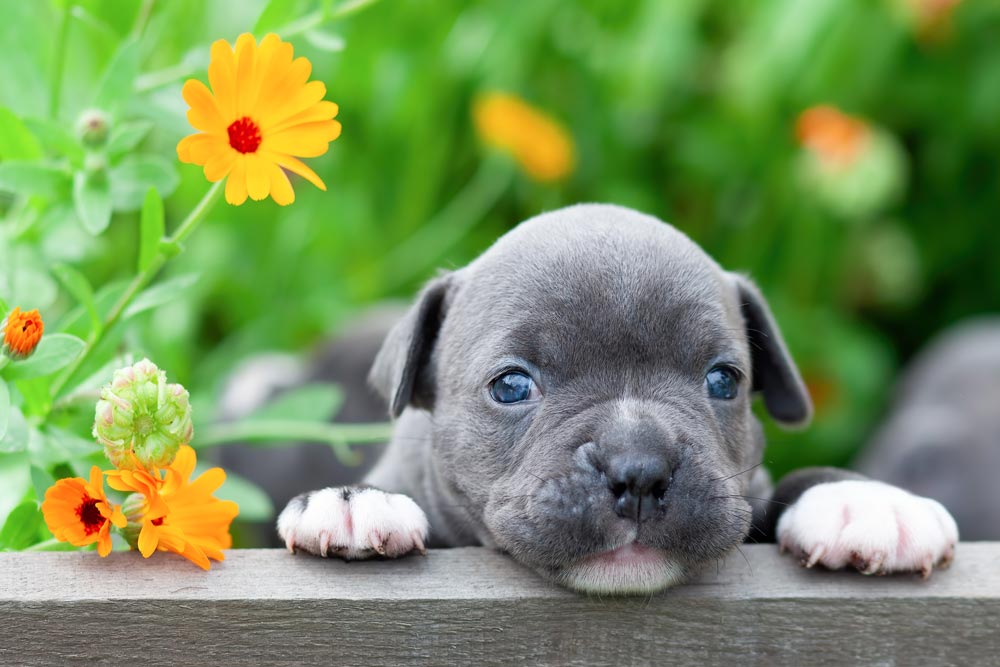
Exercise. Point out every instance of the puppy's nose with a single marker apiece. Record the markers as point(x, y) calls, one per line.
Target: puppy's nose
point(638, 484)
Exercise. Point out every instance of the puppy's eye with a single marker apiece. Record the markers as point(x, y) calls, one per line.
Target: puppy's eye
point(723, 382)
point(513, 387)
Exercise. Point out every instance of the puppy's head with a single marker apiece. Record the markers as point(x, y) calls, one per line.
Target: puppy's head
point(590, 379)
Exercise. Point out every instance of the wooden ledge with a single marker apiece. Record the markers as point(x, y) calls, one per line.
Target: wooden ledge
point(476, 606)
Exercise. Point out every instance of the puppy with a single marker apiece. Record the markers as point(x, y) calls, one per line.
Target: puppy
point(580, 397)
point(941, 439)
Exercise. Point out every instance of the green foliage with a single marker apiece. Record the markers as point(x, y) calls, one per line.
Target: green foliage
point(684, 109)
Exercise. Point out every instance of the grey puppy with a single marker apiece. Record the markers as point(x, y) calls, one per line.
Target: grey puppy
point(580, 397)
point(942, 439)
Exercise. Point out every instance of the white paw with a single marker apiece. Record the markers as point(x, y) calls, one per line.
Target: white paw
point(873, 527)
point(353, 523)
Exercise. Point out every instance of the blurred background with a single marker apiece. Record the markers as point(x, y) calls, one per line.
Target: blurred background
point(844, 153)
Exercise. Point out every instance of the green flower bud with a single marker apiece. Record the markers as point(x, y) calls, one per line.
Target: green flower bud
point(133, 508)
point(92, 127)
point(140, 418)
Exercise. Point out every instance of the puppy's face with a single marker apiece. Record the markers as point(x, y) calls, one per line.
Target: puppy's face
point(590, 378)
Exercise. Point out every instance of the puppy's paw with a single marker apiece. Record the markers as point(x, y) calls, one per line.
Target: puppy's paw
point(353, 523)
point(874, 527)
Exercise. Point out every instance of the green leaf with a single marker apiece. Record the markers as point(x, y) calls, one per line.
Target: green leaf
point(16, 439)
point(152, 229)
point(276, 14)
point(21, 528)
point(136, 174)
point(92, 197)
point(119, 77)
point(312, 402)
point(325, 41)
point(55, 351)
point(56, 138)
point(15, 480)
point(4, 408)
point(55, 445)
point(255, 505)
point(125, 137)
point(28, 178)
point(157, 295)
point(77, 285)
point(41, 480)
point(16, 140)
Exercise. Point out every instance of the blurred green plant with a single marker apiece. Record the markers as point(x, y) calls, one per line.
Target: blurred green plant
point(687, 110)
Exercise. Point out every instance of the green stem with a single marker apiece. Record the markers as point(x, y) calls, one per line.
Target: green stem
point(416, 254)
point(142, 19)
point(278, 431)
point(142, 279)
point(55, 88)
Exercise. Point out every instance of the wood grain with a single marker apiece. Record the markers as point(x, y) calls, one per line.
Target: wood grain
point(478, 607)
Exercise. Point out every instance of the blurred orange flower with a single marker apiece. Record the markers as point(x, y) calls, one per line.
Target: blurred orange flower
point(21, 333)
point(179, 515)
point(539, 143)
point(836, 138)
point(259, 117)
point(78, 512)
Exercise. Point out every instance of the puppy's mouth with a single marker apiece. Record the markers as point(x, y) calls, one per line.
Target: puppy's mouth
point(630, 569)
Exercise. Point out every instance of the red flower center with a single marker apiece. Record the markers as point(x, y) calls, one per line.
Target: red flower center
point(90, 516)
point(244, 135)
point(157, 522)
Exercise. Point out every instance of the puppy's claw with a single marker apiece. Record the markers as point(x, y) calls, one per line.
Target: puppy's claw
point(815, 556)
point(324, 544)
point(377, 543)
point(418, 542)
point(290, 543)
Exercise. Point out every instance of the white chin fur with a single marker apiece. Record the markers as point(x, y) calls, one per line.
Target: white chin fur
point(622, 579)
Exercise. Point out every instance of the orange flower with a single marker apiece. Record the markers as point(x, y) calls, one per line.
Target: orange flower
point(258, 118)
point(542, 146)
point(833, 136)
point(179, 515)
point(21, 333)
point(78, 512)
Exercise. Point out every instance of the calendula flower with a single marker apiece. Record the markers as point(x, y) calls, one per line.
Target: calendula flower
point(171, 513)
point(141, 419)
point(541, 145)
point(77, 511)
point(21, 333)
point(836, 138)
point(259, 117)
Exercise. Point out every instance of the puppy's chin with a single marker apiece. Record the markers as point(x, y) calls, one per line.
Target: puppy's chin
point(631, 569)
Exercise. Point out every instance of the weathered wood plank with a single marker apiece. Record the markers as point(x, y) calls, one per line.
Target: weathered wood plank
point(474, 606)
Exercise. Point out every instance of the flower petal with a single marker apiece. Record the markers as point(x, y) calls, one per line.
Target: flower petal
point(258, 184)
point(293, 101)
point(236, 184)
point(204, 113)
point(104, 540)
point(222, 78)
point(200, 148)
point(281, 187)
point(295, 166)
point(323, 110)
point(219, 165)
point(247, 84)
point(306, 140)
point(293, 80)
point(147, 539)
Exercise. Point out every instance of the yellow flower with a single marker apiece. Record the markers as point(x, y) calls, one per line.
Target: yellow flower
point(258, 118)
point(179, 515)
point(542, 146)
point(21, 333)
point(78, 512)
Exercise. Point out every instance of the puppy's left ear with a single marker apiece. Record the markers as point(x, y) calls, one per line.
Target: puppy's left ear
point(774, 372)
point(403, 371)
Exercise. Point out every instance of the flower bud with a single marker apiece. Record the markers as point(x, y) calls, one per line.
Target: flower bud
point(141, 420)
point(21, 333)
point(92, 128)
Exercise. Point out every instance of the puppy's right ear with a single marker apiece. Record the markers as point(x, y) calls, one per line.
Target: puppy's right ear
point(403, 372)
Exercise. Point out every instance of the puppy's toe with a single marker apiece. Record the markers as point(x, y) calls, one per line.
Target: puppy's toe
point(870, 526)
point(353, 523)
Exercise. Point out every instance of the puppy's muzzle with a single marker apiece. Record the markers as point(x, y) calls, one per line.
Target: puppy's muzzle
point(638, 460)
